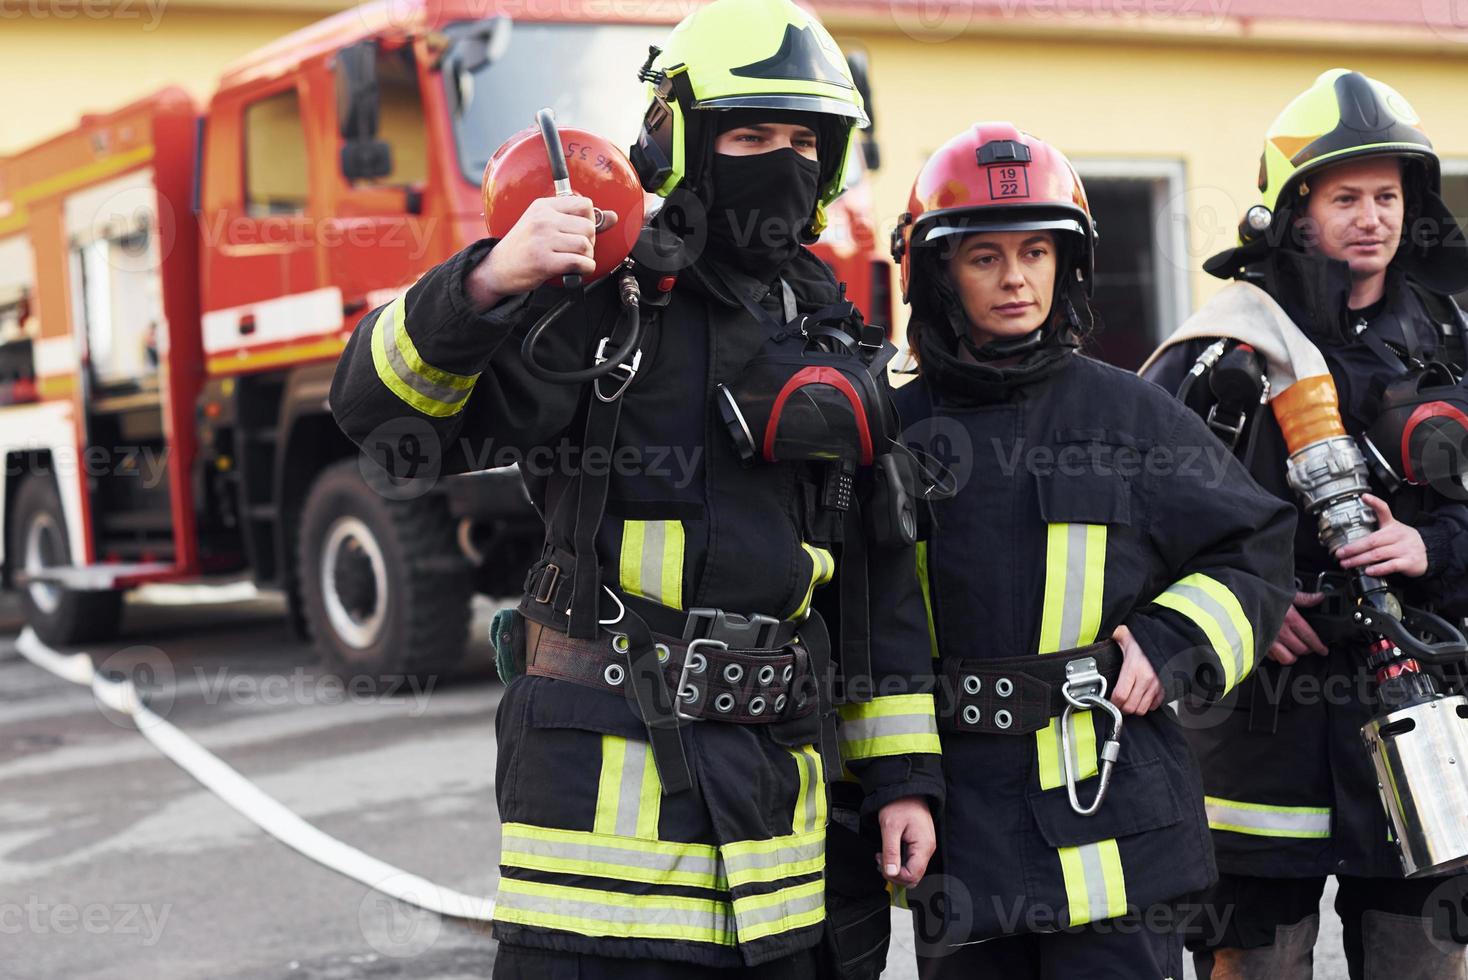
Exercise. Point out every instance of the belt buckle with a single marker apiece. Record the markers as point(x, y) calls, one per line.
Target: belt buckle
point(547, 586)
point(689, 655)
point(756, 632)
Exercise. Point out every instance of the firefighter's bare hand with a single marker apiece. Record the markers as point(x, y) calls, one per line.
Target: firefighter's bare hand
point(906, 824)
point(1137, 690)
point(555, 236)
point(1393, 548)
point(1296, 637)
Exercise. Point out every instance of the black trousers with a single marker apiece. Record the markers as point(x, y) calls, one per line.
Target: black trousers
point(1128, 948)
point(1243, 912)
point(525, 963)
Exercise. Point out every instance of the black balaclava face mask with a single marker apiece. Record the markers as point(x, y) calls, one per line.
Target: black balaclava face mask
point(762, 204)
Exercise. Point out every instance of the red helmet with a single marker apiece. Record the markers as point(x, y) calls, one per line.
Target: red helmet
point(519, 172)
point(992, 177)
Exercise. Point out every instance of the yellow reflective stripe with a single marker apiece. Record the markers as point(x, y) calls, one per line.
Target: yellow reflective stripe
point(758, 861)
point(895, 725)
point(399, 310)
point(1094, 583)
point(594, 912)
point(1095, 886)
point(822, 567)
point(785, 910)
point(1216, 611)
point(607, 856)
point(395, 368)
point(1075, 584)
point(629, 796)
point(925, 585)
point(651, 561)
point(1055, 570)
point(810, 800)
point(1266, 820)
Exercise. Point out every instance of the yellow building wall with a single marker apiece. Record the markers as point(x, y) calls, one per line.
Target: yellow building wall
point(1097, 97)
point(53, 69)
point(1206, 106)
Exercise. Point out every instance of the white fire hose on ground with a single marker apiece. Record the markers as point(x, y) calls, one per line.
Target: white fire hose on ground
point(266, 812)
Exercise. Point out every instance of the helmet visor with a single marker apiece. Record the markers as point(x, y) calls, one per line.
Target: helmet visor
point(960, 225)
point(799, 103)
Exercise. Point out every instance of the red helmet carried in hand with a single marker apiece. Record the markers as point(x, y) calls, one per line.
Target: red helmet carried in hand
point(992, 177)
point(520, 171)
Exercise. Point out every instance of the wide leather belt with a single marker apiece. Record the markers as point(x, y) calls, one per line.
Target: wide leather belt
point(1014, 695)
point(711, 681)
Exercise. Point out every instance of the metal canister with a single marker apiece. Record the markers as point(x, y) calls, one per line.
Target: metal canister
point(1420, 753)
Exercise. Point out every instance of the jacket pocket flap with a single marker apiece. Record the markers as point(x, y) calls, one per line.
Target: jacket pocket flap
point(561, 704)
point(1084, 498)
point(1140, 799)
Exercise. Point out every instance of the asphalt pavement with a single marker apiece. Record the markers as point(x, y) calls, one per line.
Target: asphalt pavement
point(116, 864)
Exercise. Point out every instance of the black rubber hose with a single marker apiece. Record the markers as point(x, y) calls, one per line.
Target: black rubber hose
point(623, 354)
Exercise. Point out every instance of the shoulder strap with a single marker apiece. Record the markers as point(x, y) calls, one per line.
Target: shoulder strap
point(602, 417)
point(1448, 316)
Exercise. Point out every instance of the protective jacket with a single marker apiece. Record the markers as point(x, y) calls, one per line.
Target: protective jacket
point(596, 857)
point(1086, 500)
point(1291, 792)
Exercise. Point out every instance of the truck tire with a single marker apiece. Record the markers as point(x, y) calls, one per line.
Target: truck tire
point(38, 539)
point(384, 586)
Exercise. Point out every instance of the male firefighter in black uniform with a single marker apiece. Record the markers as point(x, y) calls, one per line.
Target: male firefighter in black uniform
point(1355, 246)
point(662, 768)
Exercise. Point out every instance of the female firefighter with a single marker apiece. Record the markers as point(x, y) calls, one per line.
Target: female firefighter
point(662, 764)
point(1097, 560)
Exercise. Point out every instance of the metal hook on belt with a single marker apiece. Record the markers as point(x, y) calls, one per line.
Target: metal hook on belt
point(1084, 689)
point(621, 609)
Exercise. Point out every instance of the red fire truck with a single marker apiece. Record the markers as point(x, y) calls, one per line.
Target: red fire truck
point(176, 284)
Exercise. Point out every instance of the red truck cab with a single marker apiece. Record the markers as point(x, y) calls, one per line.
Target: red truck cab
point(328, 171)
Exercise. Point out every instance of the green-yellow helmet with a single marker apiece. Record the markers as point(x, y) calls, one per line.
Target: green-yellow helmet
point(1343, 115)
point(744, 54)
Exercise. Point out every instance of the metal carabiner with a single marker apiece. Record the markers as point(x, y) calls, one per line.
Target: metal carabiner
point(1084, 689)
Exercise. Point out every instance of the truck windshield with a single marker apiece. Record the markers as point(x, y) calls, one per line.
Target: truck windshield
point(587, 73)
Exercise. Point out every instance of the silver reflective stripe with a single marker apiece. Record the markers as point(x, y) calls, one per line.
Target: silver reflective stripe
point(636, 911)
point(447, 394)
point(611, 855)
point(655, 535)
point(1095, 875)
point(1221, 616)
point(738, 863)
point(1075, 587)
point(813, 788)
point(1263, 820)
point(882, 725)
point(778, 910)
point(634, 762)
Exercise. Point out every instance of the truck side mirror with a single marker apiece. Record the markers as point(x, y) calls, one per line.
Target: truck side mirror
point(364, 156)
point(861, 76)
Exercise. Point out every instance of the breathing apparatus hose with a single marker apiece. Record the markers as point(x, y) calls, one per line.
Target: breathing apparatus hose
point(628, 290)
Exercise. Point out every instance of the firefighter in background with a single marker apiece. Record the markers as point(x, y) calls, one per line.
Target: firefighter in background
point(643, 838)
point(1096, 562)
point(1359, 251)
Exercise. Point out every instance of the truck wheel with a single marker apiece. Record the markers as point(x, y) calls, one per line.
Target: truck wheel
point(384, 586)
point(60, 616)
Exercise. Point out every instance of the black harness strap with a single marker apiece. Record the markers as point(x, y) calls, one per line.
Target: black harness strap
point(600, 436)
